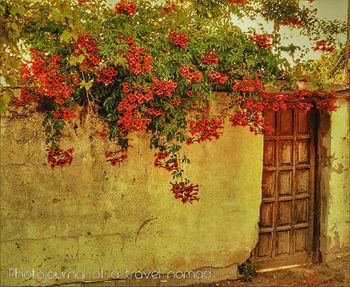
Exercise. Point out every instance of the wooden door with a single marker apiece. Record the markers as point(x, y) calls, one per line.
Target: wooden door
point(286, 212)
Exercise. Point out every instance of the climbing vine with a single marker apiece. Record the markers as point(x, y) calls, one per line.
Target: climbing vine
point(153, 66)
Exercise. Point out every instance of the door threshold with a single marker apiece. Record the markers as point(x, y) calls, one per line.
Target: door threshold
point(279, 268)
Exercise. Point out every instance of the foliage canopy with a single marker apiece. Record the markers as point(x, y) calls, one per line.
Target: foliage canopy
point(155, 66)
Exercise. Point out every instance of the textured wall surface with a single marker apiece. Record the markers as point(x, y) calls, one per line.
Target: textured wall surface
point(335, 182)
point(91, 216)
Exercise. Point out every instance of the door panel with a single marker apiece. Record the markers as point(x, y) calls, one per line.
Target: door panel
point(286, 211)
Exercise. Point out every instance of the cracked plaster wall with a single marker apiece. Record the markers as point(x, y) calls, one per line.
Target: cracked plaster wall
point(91, 215)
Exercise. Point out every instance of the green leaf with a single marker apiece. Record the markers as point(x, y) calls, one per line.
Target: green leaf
point(107, 104)
point(17, 10)
point(86, 85)
point(66, 36)
point(74, 60)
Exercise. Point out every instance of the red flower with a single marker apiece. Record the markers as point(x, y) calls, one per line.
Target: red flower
point(263, 40)
point(191, 75)
point(115, 157)
point(322, 46)
point(248, 85)
point(64, 113)
point(130, 40)
point(175, 102)
point(154, 112)
point(86, 42)
point(218, 77)
point(205, 129)
point(107, 75)
point(185, 192)
point(162, 160)
point(210, 58)
point(137, 60)
point(148, 97)
point(125, 7)
point(167, 9)
point(46, 73)
point(164, 88)
point(87, 45)
point(179, 39)
point(59, 157)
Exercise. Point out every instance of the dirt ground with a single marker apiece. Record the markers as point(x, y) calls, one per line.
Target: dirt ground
point(313, 275)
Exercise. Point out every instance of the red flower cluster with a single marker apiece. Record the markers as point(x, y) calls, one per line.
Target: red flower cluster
point(87, 44)
point(325, 101)
point(59, 157)
point(131, 118)
point(137, 60)
point(240, 119)
point(217, 77)
point(322, 46)
point(131, 122)
point(295, 22)
point(164, 89)
point(175, 102)
point(210, 58)
point(125, 7)
point(248, 85)
point(250, 108)
point(162, 160)
point(135, 95)
point(263, 40)
point(236, 1)
point(205, 129)
point(185, 192)
point(115, 157)
point(167, 9)
point(301, 99)
point(154, 112)
point(64, 113)
point(194, 76)
point(250, 113)
point(45, 73)
point(106, 75)
point(179, 39)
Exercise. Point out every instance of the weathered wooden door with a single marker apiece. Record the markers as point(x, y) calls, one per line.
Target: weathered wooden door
point(286, 212)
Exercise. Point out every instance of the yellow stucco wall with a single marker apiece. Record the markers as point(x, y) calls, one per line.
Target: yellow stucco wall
point(335, 182)
point(91, 215)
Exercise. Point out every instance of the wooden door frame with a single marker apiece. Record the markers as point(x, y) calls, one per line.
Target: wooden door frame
point(316, 253)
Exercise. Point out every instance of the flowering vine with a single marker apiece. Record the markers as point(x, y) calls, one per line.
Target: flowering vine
point(144, 72)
